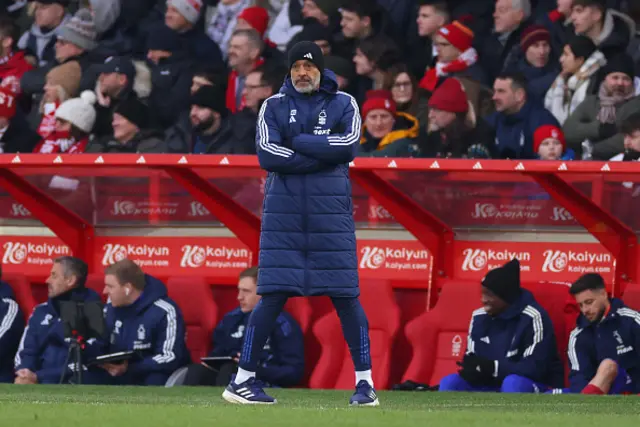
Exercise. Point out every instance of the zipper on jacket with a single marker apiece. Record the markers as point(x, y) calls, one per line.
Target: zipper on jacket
point(306, 234)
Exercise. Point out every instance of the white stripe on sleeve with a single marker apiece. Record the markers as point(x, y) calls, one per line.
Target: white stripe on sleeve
point(168, 353)
point(263, 133)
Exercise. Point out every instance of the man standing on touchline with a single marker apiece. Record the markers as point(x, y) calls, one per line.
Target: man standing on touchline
point(306, 136)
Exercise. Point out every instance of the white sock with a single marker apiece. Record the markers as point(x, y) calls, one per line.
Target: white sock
point(364, 375)
point(243, 376)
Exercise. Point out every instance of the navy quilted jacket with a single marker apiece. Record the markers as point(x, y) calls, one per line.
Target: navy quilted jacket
point(305, 142)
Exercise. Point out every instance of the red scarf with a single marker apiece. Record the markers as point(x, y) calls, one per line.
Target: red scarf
point(464, 61)
point(555, 15)
point(61, 142)
point(231, 89)
point(48, 123)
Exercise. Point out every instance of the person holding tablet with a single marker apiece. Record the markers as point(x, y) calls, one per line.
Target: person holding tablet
point(282, 359)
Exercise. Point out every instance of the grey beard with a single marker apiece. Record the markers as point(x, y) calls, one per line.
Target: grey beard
point(315, 85)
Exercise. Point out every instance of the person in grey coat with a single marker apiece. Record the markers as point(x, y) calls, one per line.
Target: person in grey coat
point(592, 128)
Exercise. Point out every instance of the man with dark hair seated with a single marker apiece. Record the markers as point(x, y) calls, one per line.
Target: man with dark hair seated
point(44, 347)
point(282, 360)
point(604, 348)
point(511, 345)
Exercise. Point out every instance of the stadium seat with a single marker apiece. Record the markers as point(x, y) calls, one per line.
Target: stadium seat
point(335, 367)
point(631, 296)
point(96, 282)
point(300, 310)
point(555, 299)
point(193, 296)
point(439, 337)
point(22, 290)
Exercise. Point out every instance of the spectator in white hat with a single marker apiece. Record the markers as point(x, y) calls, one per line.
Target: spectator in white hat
point(74, 121)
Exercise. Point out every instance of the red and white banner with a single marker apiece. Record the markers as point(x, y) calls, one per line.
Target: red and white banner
point(32, 256)
point(538, 261)
point(394, 260)
point(377, 259)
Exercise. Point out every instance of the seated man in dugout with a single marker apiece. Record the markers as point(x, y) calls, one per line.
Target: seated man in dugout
point(604, 348)
point(511, 347)
point(141, 317)
point(282, 362)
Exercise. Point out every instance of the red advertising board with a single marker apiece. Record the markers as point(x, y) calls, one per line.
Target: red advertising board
point(209, 257)
point(538, 261)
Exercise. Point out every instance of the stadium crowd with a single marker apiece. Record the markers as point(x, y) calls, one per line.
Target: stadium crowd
point(498, 79)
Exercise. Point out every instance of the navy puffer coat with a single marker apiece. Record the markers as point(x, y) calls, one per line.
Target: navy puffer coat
point(305, 142)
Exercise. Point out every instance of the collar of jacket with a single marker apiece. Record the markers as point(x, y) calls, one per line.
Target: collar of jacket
point(615, 304)
point(409, 129)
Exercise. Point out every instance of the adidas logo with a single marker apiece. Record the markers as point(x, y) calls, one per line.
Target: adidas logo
point(309, 56)
point(245, 392)
point(485, 339)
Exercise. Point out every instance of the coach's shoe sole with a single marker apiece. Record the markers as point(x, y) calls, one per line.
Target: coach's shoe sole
point(239, 400)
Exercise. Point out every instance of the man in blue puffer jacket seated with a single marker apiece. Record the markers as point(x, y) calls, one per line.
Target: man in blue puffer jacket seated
point(511, 345)
point(281, 362)
point(141, 317)
point(11, 327)
point(43, 348)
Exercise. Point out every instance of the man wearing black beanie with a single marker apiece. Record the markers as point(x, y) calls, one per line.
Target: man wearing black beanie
point(511, 347)
point(307, 135)
point(132, 131)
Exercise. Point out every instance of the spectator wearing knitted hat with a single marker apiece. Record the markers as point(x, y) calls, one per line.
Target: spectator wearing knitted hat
point(254, 17)
point(385, 131)
point(74, 40)
point(537, 63)
point(549, 143)
point(223, 22)
point(39, 41)
point(182, 16)
point(608, 29)
point(75, 119)
point(62, 83)
point(257, 18)
point(171, 76)
point(77, 36)
point(214, 131)
point(133, 131)
point(16, 136)
point(455, 131)
point(581, 62)
point(592, 128)
point(456, 57)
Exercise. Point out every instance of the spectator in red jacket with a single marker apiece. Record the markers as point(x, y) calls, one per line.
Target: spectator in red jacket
point(15, 134)
point(12, 63)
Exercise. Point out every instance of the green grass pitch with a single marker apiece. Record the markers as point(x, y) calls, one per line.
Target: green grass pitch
point(89, 406)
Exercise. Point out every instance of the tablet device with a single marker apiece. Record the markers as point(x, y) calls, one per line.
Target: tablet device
point(216, 362)
point(114, 358)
